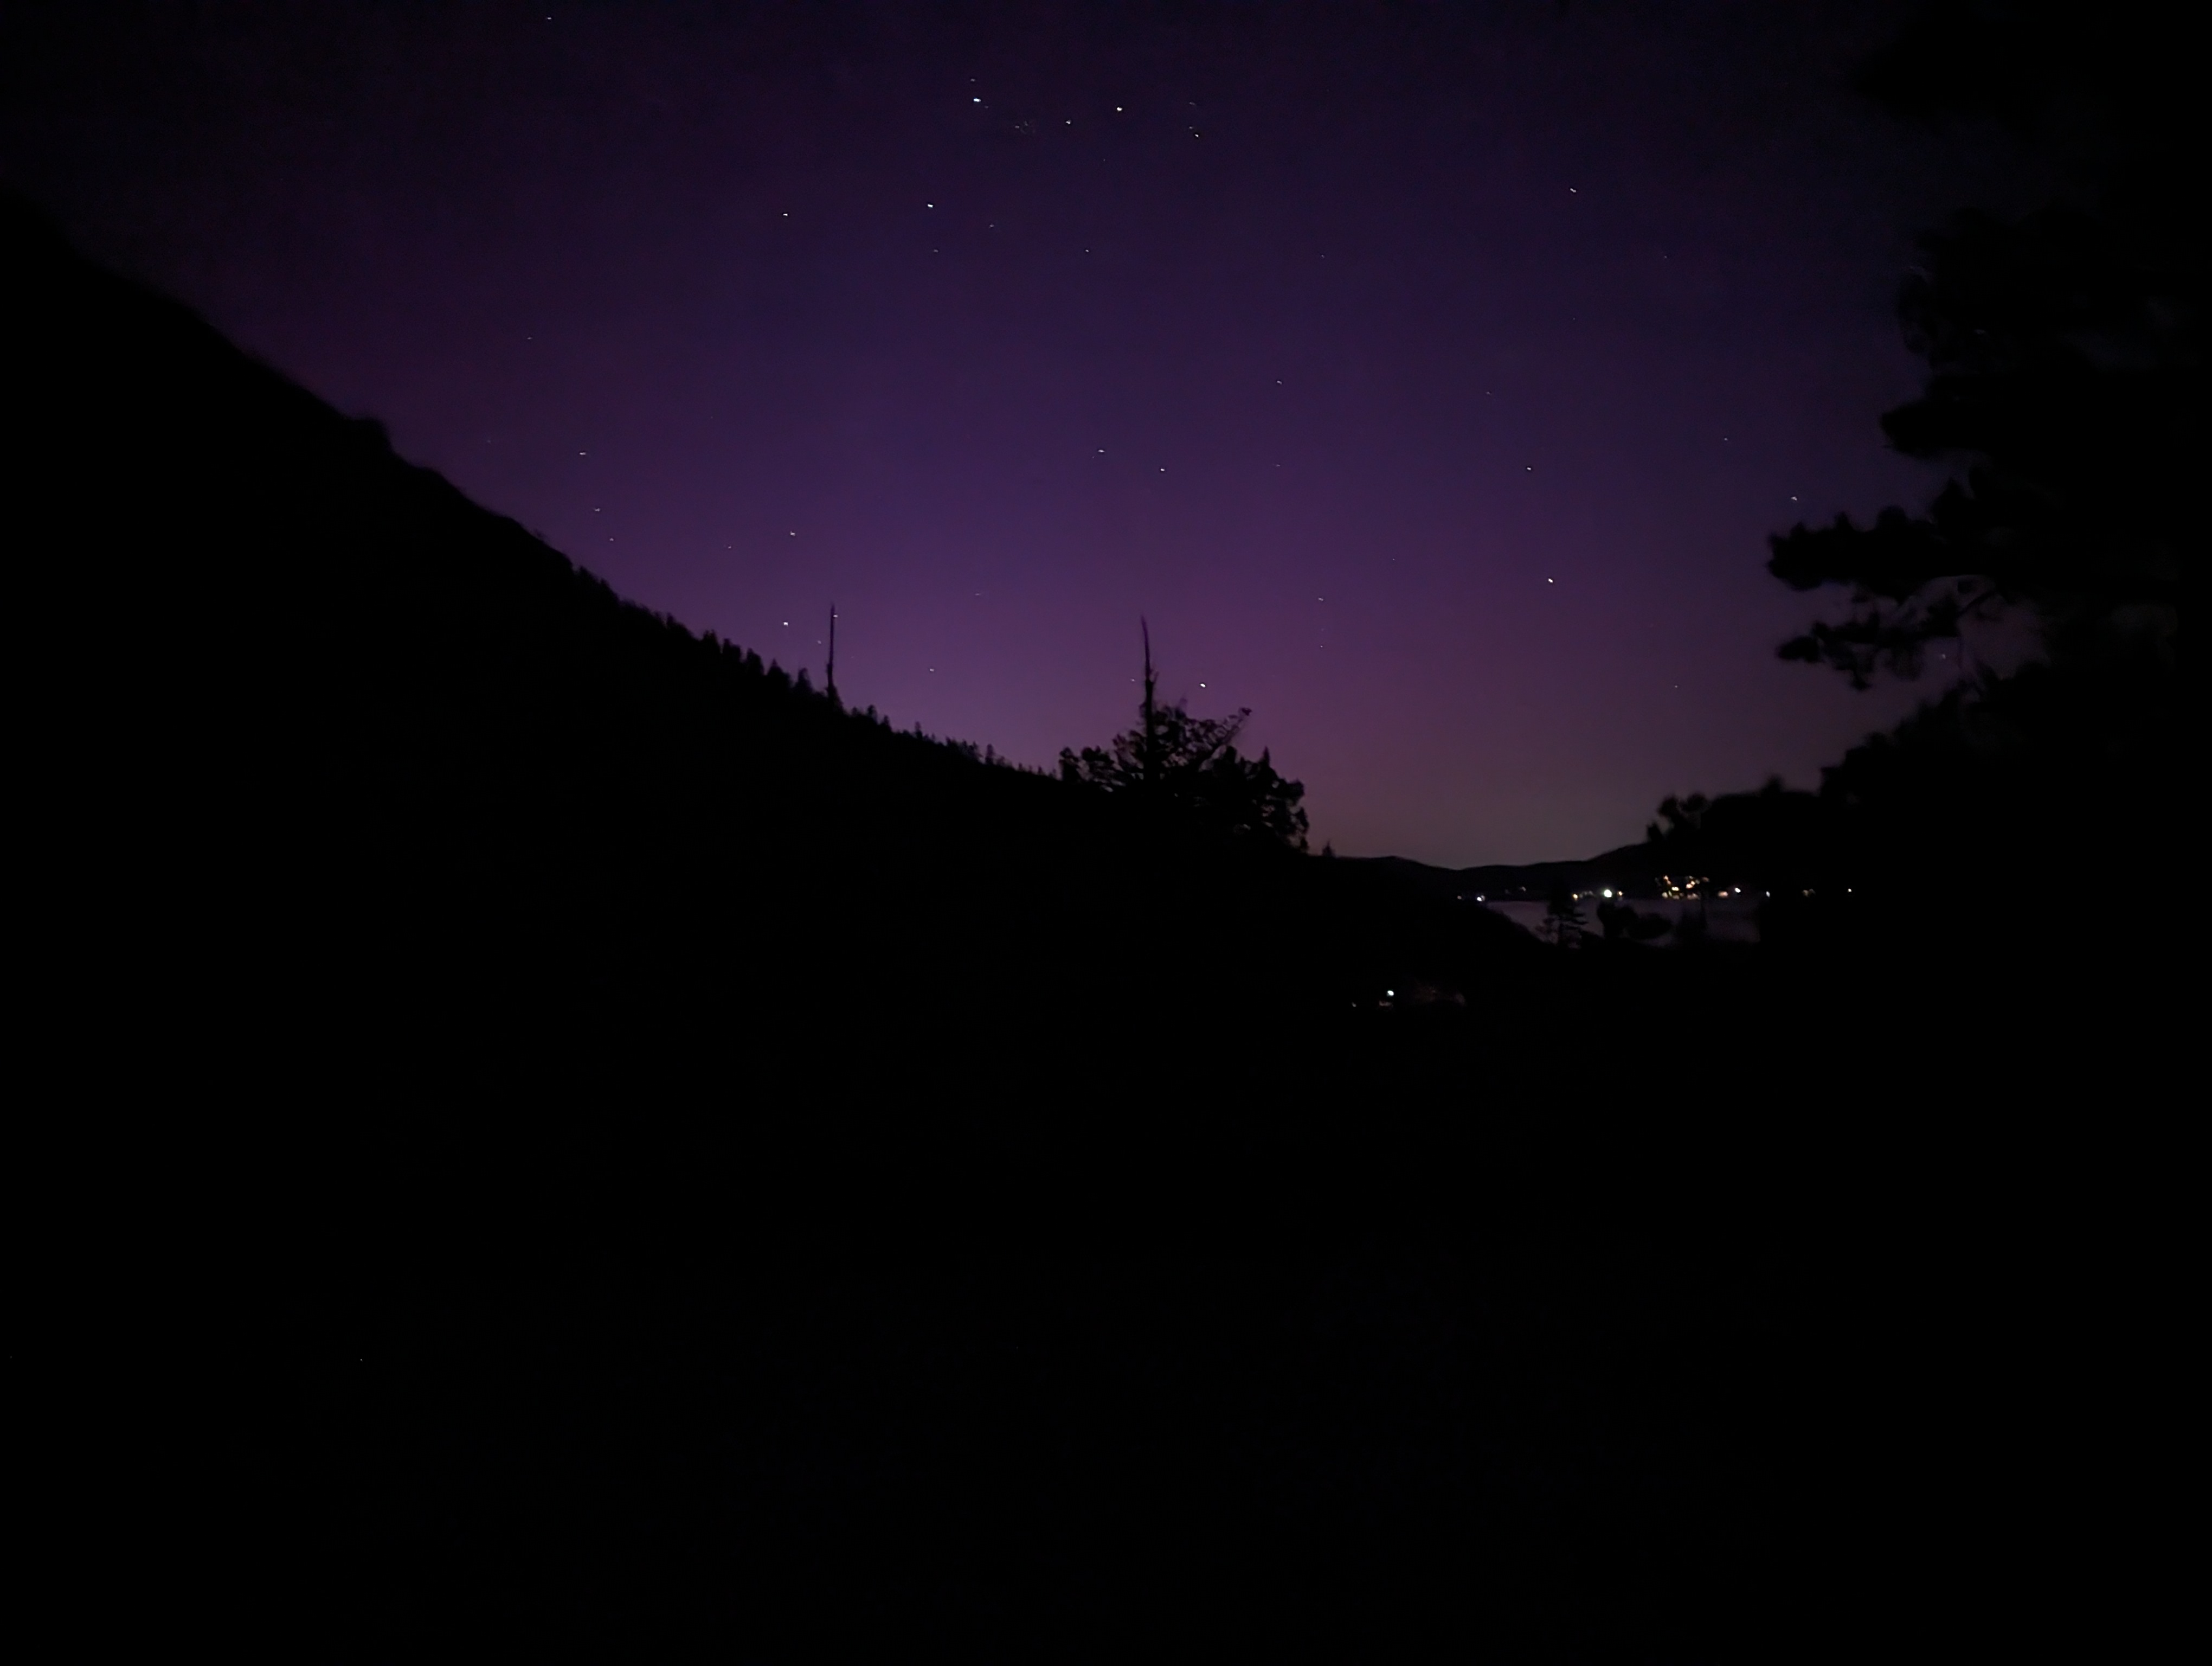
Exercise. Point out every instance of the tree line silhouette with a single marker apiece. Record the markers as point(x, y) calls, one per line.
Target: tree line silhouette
point(2065, 365)
point(343, 754)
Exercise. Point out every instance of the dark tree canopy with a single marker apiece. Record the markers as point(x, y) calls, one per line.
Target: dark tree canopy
point(2066, 363)
point(2065, 369)
point(1191, 766)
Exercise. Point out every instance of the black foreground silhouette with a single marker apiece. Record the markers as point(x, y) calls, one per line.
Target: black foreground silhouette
point(576, 1145)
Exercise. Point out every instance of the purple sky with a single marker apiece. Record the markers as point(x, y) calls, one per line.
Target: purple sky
point(1429, 376)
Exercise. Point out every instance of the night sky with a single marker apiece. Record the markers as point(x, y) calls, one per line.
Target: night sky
point(1428, 376)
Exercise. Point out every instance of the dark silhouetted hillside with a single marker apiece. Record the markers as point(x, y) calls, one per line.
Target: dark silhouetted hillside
point(321, 743)
point(554, 1142)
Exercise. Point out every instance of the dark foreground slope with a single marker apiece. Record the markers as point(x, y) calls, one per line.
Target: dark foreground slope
point(330, 748)
point(554, 1143)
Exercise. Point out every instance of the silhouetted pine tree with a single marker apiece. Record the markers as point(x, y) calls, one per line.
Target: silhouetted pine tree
point(1189, 767)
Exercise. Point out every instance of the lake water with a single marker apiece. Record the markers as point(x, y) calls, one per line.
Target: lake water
point(1732, 920)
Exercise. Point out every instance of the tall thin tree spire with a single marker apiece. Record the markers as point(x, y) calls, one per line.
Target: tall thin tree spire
point(1152, 724)
point(829, 676)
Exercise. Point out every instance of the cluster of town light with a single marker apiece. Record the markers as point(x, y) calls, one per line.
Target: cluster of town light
point(1674, 891)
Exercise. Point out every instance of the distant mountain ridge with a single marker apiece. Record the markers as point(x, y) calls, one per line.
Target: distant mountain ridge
point(1630, 869)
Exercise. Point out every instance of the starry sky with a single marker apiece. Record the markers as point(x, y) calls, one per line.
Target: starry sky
point(1428, 376)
